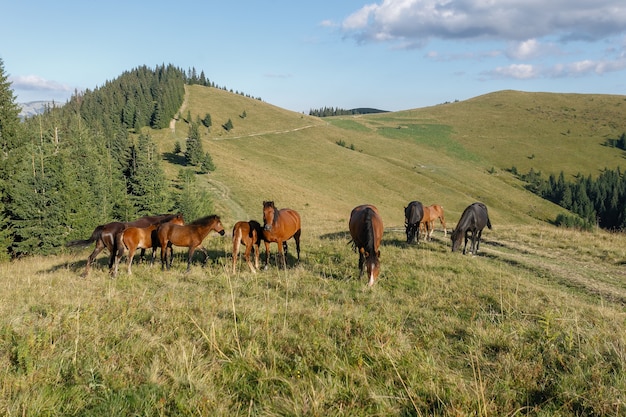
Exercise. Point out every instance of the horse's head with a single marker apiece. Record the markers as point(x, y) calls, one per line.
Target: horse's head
point(269, 214)
point(372, 262)
point(457, 237)
point(218, 227)
point(411, 231)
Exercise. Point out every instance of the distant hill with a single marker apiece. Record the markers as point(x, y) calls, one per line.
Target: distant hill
point(33, 108)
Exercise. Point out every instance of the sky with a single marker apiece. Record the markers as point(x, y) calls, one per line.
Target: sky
point(385, 54)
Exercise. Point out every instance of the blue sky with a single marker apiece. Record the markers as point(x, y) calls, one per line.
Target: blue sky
point(387, 54)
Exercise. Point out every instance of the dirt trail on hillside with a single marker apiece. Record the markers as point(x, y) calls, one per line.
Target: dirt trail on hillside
point(563, 268)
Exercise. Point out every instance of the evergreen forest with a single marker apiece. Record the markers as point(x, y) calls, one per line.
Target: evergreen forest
point(87, 162)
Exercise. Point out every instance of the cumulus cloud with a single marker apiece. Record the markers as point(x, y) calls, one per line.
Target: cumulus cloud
point(511, 20)
point(36, 83)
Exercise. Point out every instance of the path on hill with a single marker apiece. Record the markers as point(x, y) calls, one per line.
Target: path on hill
point(223, 202)
point(271, 132)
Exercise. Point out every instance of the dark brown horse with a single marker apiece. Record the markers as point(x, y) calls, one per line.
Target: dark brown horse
point(472, 222)
point(280, 226)
point(249, 233)
point(366, 229)
point(432, 213)
point(105, 236)
point(413, 214)
point(133, 238)
point(190, 235)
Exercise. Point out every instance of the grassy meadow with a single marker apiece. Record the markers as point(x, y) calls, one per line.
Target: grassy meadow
point(532, 325)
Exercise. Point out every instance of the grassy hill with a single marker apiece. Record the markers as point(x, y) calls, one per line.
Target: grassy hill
point(533, 325)
point(450, 154)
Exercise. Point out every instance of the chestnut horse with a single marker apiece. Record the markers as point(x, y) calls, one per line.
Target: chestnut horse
point(413, 215)
point(106, 235)
point(133, 238)
point(189, 235)
point(432, 213)
point(280, 226)
point(249, 233)
point(472, 222)
point(366, 229)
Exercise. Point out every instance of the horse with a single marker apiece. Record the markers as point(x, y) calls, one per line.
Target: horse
point(133, 238)
point(105, 236)
point(280, 226)
point(473, 221)
point(413, 215)
point(432, 213)
point(249, 233)
point(366, 229)
point(190, 235)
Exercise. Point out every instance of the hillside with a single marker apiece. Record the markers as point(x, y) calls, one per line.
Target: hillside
point(451, 154)
point(531, 325)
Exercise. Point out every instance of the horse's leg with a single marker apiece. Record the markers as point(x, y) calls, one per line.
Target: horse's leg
point(131, 255)
point(466, 238)
point(163, 256)
point(257, 254)
point(247, 256)
point(480, 232)
point(192, 249)
point(142, 256)
point(361, 264)
point(281, 255)
point(296, 237)
point(236, 243)
point(432, 228)
point(443, 224)
point(99, 247)
point(267, 254)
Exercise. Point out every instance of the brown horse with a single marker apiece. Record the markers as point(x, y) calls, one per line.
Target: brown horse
point(249, 233)
point(432, 213)
point(133, 238)
point(106, 235)
point(280, 226)
point(190, 235)
point(366, 229)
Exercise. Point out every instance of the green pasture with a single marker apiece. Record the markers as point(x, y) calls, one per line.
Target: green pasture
point(532, 325)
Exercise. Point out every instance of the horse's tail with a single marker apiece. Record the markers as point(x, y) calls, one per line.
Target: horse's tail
point(97, 233)
point(369, 232)
point(488, 223)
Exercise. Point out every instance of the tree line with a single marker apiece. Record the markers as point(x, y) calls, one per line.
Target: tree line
point(336, 111)
point(595, 202)
point(90, 162)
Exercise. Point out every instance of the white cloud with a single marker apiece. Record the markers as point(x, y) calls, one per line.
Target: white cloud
point(510, 20)
point(36, 83)
point(517, 71)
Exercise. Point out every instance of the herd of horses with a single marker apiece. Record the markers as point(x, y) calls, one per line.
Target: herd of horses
point(279, 225)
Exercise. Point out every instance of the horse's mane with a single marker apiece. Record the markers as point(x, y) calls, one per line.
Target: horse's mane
point(168, 217)
point(205, 220)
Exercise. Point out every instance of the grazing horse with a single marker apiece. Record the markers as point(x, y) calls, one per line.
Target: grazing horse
point(133, 238)
point(473, 221)
point(190, 235)
point(280, 226)
point(249, 233)
point(413, 215)
point(106, 235)
point(366, 229)
point(432, 213)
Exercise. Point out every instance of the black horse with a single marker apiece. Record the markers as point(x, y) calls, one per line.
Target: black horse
point(413, 215)
point(472, 222)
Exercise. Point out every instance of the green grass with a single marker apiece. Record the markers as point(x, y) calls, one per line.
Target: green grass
point(509, 331)
point(534, 325)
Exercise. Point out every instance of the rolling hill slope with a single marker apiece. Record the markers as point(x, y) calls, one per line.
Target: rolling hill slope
point(451, 154)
